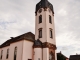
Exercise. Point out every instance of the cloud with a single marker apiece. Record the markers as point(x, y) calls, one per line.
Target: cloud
point(62, 12)
point(67, 21)
point(15, 19)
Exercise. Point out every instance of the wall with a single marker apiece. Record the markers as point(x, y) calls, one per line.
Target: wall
point(41, 25)
point(38, 53)
point(45, 25)
point(27, 50)
point(45, 53)
point(19, 46)
point(4, 53)
point(55, 55)
point(48, 26)
point(11, 51)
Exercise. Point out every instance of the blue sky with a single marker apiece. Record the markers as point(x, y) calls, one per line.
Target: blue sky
point(18, 17)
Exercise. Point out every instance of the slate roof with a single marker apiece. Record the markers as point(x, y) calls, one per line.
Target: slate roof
point(44, 4)
point(74, 57)
point(37, 42)
point(27, 36)
point(60, 56)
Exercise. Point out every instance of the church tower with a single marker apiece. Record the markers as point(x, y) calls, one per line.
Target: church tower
point(45, 45)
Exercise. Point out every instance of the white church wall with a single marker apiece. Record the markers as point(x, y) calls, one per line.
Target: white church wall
point(19, 46)
point(4, 53)
point(37, 53)
point(27, 50)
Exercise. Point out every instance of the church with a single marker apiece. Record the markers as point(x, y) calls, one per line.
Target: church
point(41, 46)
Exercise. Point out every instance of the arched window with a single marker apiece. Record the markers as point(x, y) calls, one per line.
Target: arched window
point(50, 19)
point(40, 33)
point(40, 19)
point(51, 56)
point(15, 53)
point(51, 34)
point(7, 54)
point(1, 54)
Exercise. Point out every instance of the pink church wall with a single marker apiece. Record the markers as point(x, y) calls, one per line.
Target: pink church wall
point(27, 50)
point(55, 55)
point(38, 53)
point(45, 25)
point(48, 26)
point(19, 46)
point(45, 54)
point(41, 25)
point(4, 52)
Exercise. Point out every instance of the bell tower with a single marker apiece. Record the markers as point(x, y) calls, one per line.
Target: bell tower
point(44, 29)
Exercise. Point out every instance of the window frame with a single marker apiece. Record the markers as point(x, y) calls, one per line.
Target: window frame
point(15, 53)
point(51, 33)
point(7, 54)
point(40, 19)
point(50, 19)
point(1, 54)
point(40, 32)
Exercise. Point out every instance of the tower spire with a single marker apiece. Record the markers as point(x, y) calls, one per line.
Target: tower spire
point(45, 48)
point(44, 4)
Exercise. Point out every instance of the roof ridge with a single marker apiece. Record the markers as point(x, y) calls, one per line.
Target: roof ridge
point(26, 36)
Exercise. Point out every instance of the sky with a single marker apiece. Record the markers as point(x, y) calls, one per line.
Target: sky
point(18, 17)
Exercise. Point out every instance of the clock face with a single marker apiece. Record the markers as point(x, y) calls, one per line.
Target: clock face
point(40, 10)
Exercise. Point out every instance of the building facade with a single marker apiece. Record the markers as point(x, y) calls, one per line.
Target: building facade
point(41, 46)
